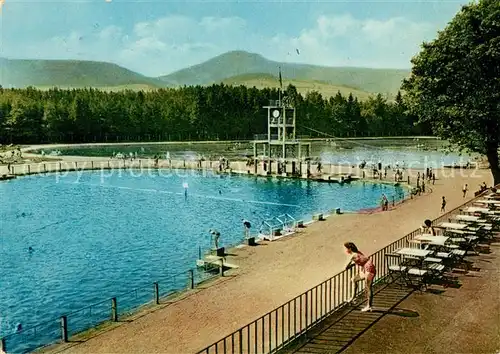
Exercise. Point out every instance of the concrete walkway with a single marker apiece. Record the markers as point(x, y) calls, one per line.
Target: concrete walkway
point(462, 318)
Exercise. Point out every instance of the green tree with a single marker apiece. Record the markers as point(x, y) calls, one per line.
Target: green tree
point(455, 81)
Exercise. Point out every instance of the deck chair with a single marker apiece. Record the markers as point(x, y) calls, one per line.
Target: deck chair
point(417, 278)
point(395, 269)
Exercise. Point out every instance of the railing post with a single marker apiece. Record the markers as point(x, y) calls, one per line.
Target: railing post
point(307, 311)
point(408, 179)
point(3, 346)
point(92, 164)
point(64, 329)
point(156, 292)
point(240, 340)
point(60, 168)
point(44, 168)
point(221, 270)
point(114, 310)
point(29, 169)
point(191, 279)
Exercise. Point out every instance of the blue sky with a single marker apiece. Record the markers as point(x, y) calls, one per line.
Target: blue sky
point(158, 37)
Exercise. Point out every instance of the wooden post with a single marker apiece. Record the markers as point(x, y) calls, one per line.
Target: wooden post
point(114, 310)
point(64, 329)
point(408, 179)
point(191, 279)
point(156, 293)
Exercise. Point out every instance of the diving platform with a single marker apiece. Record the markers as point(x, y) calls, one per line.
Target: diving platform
point(214, 262)
point(279, 150)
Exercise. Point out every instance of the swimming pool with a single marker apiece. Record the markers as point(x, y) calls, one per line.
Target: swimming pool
point(96, 234)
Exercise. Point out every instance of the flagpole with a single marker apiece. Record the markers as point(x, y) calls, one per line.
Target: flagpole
point(281, 84)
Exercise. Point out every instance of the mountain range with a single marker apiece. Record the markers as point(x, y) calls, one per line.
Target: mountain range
point(232, 68)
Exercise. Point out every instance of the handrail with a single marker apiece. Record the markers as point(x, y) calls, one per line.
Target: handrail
point(279, 327)
point(79, 320)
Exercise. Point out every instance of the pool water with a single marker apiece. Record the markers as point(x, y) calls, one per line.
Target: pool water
point(96, 234)
point(413, 153)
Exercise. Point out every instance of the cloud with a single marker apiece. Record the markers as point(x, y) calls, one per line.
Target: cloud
point(173, 42)
point(346, 41)
point(180, 41)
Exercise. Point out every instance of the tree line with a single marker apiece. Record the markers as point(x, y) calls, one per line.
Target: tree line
point(189, 113)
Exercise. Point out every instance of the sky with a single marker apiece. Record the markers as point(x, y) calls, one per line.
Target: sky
point(159, 37)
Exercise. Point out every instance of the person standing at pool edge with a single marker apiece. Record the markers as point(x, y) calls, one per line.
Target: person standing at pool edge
point(367, 273)
point(443, 205)
point(246, 225)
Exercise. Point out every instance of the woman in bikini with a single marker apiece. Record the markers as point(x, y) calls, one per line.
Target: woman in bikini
point(367, 273)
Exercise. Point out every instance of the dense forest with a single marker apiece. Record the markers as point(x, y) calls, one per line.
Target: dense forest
point(189, 113)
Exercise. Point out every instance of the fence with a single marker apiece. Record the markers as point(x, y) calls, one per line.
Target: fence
point(111, 309)
point(280, 327)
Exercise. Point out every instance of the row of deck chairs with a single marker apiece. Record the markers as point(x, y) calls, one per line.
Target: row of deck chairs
point(427, 258)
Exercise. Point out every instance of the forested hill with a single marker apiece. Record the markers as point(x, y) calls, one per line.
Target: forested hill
point(188, 113)
point(215, 70)
point(21, 73)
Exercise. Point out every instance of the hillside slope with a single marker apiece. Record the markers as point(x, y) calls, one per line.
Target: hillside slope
point(261, 81)
point(69, 73)
point(237, 63)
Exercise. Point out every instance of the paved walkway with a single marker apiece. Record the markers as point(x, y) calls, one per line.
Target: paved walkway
point(463, 318)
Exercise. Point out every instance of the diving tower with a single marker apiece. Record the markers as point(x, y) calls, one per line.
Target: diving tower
point(280, 145)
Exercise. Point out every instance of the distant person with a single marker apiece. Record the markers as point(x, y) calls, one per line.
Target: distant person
point(19, 327)
point(30, 249)
point(220, 192)
point(433, 178)
point(216, 235)
point(247, 226)
point(465, 188)
point(427, 228)
point(368, 272)
point(443, 205)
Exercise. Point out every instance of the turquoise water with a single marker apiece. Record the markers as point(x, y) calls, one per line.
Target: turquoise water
point(95, 235)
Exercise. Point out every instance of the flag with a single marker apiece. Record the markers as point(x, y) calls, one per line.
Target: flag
point(281, 81)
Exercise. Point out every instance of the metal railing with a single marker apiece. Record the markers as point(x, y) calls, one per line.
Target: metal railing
point(62, 328)
point(278, 328)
